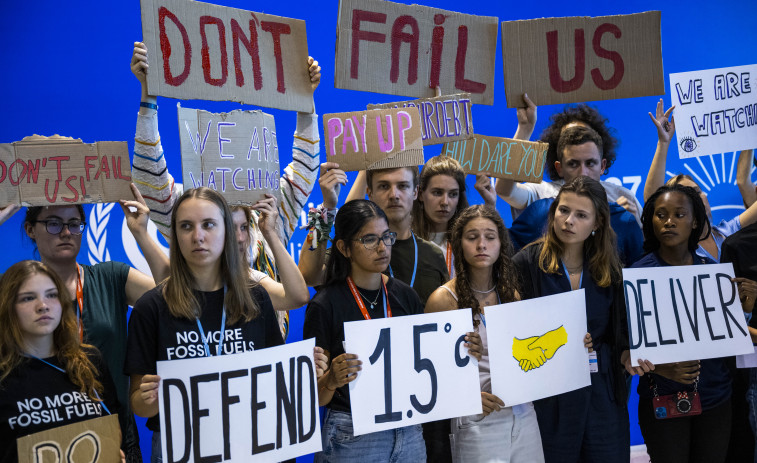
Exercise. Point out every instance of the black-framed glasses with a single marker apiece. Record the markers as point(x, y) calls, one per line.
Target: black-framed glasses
point(55, 226)
point(370, 242)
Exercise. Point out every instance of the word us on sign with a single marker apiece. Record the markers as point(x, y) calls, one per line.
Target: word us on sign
point(257, 406)
point(410, 50)
point(45, 171)
point(716, 110)
point(575, 59)
point(375, 139)
point(443, 118)
point(233, 153)
point(210, 52)
point(499, 157)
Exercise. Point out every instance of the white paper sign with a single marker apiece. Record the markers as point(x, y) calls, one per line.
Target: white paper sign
point(534, 343)
point(748, 360)
point(690, 312)
point(716, 110)
point(256, 406)
point(415, 369)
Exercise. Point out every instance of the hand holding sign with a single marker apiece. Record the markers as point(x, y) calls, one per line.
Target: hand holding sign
point(680, 372)
point(343, 370)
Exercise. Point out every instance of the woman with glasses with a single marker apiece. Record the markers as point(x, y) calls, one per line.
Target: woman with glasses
point(354, 290)
point(101, 293)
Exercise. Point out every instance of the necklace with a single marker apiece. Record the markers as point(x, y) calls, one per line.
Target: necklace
point(372, 303)
point(484, 292)
point(574, 270)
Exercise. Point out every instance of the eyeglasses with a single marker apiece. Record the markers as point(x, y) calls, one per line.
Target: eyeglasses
point(370, 242)
point(55, 226)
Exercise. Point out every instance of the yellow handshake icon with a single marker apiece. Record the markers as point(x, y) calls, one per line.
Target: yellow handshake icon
point(533, 352)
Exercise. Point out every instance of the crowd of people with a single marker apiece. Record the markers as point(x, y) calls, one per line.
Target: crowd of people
point(415, 245)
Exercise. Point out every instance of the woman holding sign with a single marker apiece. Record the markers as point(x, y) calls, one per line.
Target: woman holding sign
point(208, 292)
point(578, 251)
point(43, 364)
point(485, 277)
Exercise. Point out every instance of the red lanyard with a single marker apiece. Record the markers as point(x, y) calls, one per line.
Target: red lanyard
point(449, 259)
point(361, 304)
point(80, 301)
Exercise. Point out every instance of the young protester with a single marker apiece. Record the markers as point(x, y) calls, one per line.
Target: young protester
point(208, 290)
point(101, 293)
point(559, 166)
point(486, 276)
point(42, 358)
point(578, 251)
point(157, 185)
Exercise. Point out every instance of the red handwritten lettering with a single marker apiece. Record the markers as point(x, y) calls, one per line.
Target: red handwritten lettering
point(251, 45)
point(58, 160)
point(461, 82)
point(359, 16)
point(104, 168)
point(32, 172)
point(398, 37)
point(116, 162)
point(276, 30)
point(55, 192)
point(437, 45)
point(165, 47)
point(205, 51)
point(555, 79)
point(4, 171)
point(613, 56)
point(12, 169)
point(73, 190)
point(88, 164)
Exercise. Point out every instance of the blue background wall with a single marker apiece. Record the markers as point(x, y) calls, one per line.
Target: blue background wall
point(66, 71)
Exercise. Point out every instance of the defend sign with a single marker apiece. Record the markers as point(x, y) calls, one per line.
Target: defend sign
point(409, 50)
point(691, 312)
point(518, 160)
point(233, 153)
point(46, 171)
point(270, 396)
point(716, 110)
point(209, 52)
point(567, 60)
point(415, 369)
point(93, 441)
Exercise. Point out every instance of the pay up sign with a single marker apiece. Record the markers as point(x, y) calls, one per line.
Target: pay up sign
point(46, 171)
point(566, 60)
point(438, 380)
point(233, 153)
point(203, 51)
point(716, 110)
point(410, 50)
point(518, 160)
point(377, 139)
point(270, 396)
point(691, 312)
point(94, 441)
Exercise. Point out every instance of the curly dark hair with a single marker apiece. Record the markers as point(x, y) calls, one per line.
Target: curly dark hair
point(504, 274)
point(589, 116)
point(651, 242)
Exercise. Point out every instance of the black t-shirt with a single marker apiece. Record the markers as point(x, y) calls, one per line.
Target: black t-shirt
point(156, 335)
point(334, 305)
point(431, 270)
point(36, 397)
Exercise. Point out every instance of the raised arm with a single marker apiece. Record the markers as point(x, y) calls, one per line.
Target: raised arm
point(8, 211)
point(743, 178)
point(665, 130)
point(359, 187)
point(513, 192)
point(137, 221)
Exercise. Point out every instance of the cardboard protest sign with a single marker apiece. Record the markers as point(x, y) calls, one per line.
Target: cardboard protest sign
point(409, 50)
point(574, 59)
point(532, 342)
point(233, 153)
point(438, 380)
point(716, 110)
point(377, 139)
point(443, 118)
point(210, 52)
point(518, 160)
point(690, 312)
point(45, 171)
point(270, 396)
point(94, 441)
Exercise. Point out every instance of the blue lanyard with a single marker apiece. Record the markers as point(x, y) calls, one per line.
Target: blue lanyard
point(415, 262)
point(483, 317)
point(223, 330)
point(102, 402)
point(567, 274)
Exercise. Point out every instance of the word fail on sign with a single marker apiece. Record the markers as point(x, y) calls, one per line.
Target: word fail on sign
point(410, 50)
point(716, 110)
point(443, 118)
point(499, 157)
point(684, 313)
point(210, 52)
point(46, 171)
point(93, 441)
point(536, 341)
point(415, 369)
point(256, 406)
point(575, 59)
point(377, 139)
point(233, 153)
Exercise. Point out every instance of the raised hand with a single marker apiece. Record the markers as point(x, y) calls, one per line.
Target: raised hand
point(315, 73)
point(485, 189)
point(321, 361)
point(665, 128)
point(330, 181)
point(268, 213)
point(138, 218)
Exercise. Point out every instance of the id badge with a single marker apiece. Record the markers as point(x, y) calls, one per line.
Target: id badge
point(593, 365)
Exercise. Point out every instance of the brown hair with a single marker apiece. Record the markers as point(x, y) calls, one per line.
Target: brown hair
point(438, 165)
point(178, 288)
point(578, 135)
point(68, 350)
point(370, 173)
point(247, 210)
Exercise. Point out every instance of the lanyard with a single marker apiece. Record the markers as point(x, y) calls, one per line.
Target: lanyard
point(448, 257)
point(415, 262)
point(483, 317)
point(223, 330)
point(361, 304)
point(102, 402)
point(80, 301)
point(567, 274)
